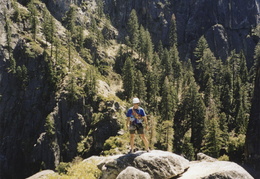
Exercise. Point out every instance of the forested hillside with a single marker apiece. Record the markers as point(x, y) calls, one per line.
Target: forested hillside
point(68, 72)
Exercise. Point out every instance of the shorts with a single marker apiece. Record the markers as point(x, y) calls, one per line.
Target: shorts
point(138, 127)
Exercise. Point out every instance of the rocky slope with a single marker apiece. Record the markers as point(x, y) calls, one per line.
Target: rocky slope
point(162, 165)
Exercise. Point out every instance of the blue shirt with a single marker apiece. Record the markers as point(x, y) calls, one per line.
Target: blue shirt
point(140, 111)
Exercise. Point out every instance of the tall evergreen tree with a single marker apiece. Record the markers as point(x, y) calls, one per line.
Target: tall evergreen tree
point(70, 19)
point(139, 86)
point(212, 138)
point(198, 114)
point(243, 71)
point(205, 68)
point(166, 136)
point(176, 65)
point(49, 28)
point(142, 42)
point(33, 19)
point(208, 92)
point(160, 49)
point(128, 78)
point(69, 46)
point(79, 37)
point(152, 83)
point(240, 111)
point(201, 46)
point(168, 100)
point(167, 65)
point(133, 30)
point(226, 95)
point(223, 125)
point(173, 32)
point(148, 50)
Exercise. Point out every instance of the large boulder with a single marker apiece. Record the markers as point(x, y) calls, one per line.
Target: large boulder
point(159, 164)
point(133, 173)
point(217, 169)
point(41, 175)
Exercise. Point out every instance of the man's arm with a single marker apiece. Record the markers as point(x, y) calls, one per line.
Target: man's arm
point(146, 122)
point(127, 122)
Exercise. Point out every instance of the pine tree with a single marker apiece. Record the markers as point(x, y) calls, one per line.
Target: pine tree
point(243, 71)
point(168, 100)
point(166, 136)
point(152, 91)
point(152, 83)
point(176, 65)
point(70, 19)
point(139, 86)
point(173, 32)
point(128, 78)
point(198, 114)
point(49, 28)
point(153, 135)
point(208, 92)
point(33, 19)
point(133, 30)
point(201, 46)
point(226, 96)
point(205, 68)
point(188, 74)
point(69, 46)
point(142, 42)
point(160, 49)
point(167, 65)
point(212, 138)
point(149, 48)
point(240, 114)
point(80, 37)
point(223, 125)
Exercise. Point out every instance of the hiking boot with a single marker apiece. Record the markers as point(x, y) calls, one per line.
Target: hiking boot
point(132, 151)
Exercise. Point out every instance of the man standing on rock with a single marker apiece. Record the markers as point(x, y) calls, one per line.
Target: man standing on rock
point(135, 117)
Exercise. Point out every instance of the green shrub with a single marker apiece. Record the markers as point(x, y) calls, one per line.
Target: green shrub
point(49, 126)
point(62, 168)
point(83, 170)
point(224, 158)
point(116, 145)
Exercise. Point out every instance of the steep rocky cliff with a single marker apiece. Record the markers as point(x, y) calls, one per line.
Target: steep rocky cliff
point(226, 25)
point(253, 132)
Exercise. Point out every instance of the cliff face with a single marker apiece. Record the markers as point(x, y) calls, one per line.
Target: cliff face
point(253, 132)
point(225, 24)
